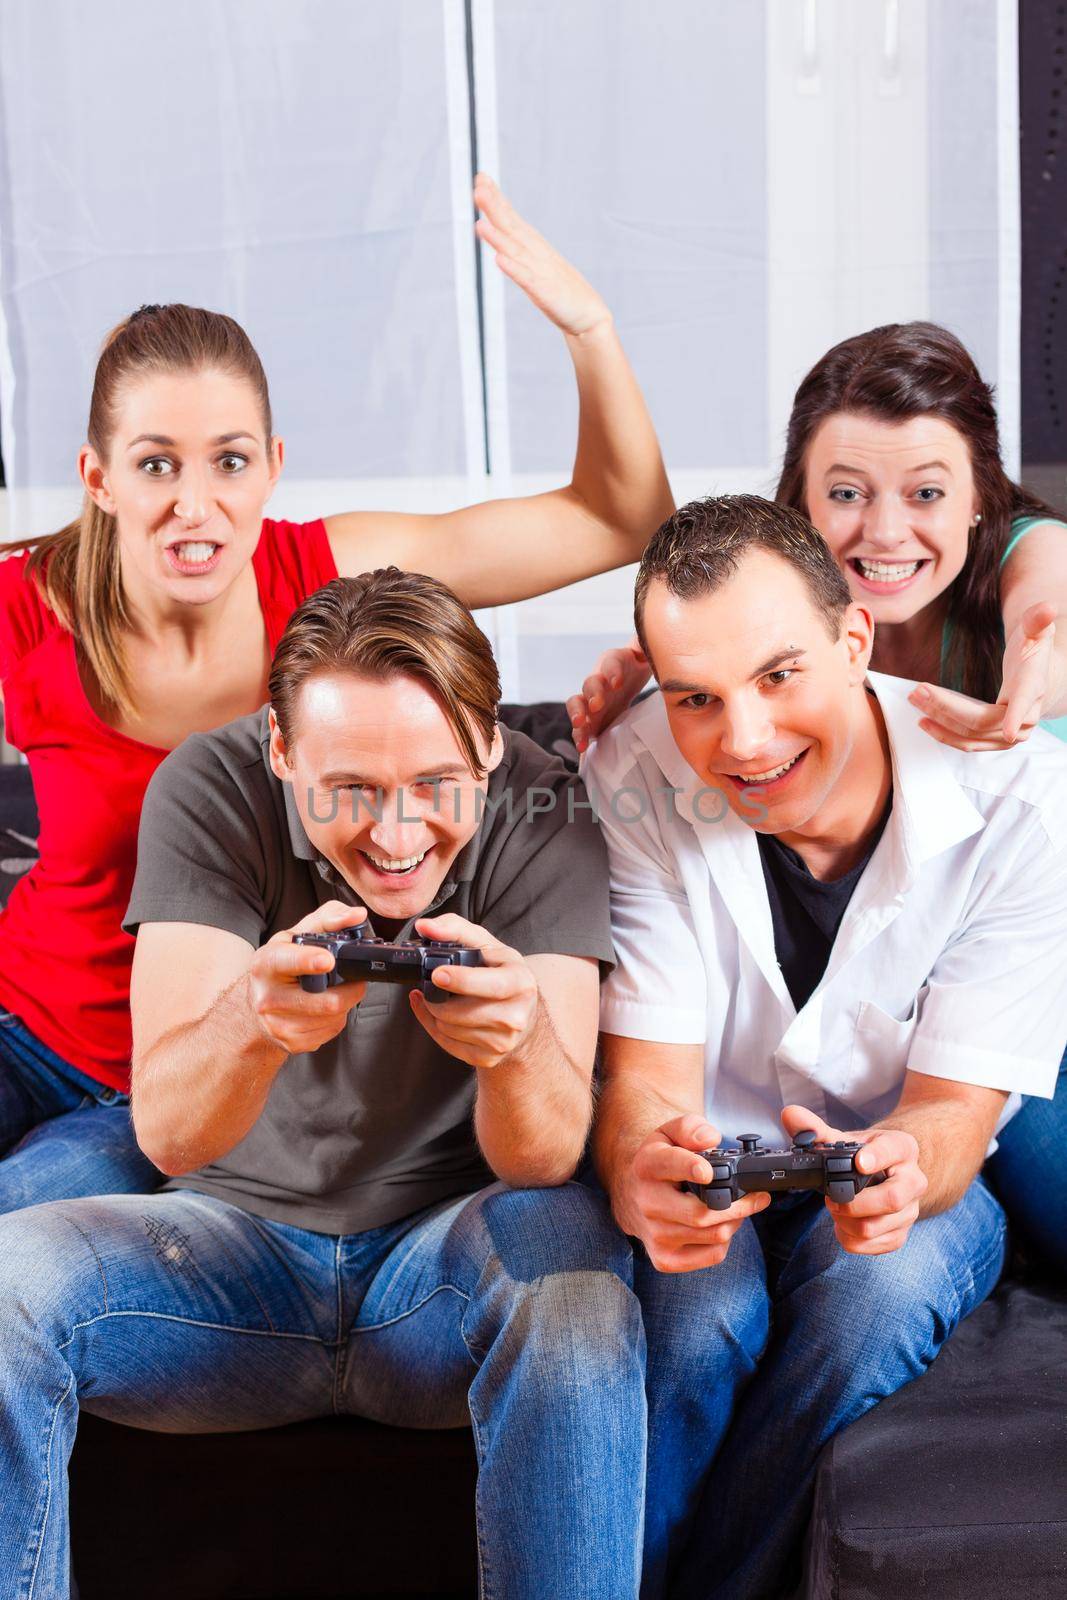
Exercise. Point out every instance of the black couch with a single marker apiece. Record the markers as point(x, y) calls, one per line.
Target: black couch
point(954, 1487)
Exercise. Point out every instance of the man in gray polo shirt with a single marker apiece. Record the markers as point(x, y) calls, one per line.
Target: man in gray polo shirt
point(332, 1237)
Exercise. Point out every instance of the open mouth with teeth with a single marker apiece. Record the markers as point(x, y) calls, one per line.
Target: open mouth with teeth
point(886, 577)
point(193, 556)
point(771, 778)
point(395, 867)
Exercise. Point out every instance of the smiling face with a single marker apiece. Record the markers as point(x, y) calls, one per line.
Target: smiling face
point(187, 475)
point(894, 501)
point(380, 762)
point(763, 704)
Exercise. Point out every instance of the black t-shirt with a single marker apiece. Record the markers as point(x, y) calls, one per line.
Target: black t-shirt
point(806, 912)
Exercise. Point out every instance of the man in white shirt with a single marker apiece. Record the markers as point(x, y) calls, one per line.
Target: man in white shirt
point(822, 920)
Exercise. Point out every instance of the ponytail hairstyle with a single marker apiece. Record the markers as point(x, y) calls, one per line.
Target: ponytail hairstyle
point(917, 369)
point(77, 570)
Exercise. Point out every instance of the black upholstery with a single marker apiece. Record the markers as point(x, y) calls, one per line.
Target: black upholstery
point(956, 1486)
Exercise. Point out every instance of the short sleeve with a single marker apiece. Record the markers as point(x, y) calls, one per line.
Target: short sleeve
point(291, 561)
point(25, 620)
point(201, 853)
point(544, 887)
point(994, 1009)
point(1024, 525)
point(658, 990)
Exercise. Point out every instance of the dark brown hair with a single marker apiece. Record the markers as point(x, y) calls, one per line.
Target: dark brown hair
point(77, 569)
point(386, 623)
point(702, 545)
point(917, 369)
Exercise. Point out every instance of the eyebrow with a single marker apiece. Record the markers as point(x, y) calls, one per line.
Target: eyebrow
point(861, 472)
point(161, 438)
point(675, 686)
point(338, 780)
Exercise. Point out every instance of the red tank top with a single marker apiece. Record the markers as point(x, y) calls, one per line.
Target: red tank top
point(64, 959)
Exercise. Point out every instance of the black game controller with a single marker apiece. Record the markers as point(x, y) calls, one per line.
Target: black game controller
point(359, 954)
point(810, 1164)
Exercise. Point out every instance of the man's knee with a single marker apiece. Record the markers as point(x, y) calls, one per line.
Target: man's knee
point(540, 1233)
point(50, 1275)
point(555, 1280)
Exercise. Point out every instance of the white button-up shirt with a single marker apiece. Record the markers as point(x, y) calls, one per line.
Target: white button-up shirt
point(951, 957)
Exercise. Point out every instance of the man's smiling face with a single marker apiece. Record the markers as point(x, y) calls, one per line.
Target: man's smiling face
point(382, 786)
point(762, 702)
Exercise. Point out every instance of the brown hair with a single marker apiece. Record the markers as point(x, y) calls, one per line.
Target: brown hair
point(702, 545)
point(77, 569)
point(916, 369)
point(382, 624)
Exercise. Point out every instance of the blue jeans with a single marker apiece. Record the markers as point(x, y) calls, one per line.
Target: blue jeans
point(1029, 1173)
point(509, 1309)
point(753, 1365)
point(62, 1134)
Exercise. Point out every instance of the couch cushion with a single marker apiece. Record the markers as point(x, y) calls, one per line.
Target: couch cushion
point(956, 1486)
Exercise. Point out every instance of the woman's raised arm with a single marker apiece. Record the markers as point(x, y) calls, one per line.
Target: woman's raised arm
point(505, 550)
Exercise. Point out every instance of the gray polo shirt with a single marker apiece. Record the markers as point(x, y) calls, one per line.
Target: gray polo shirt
point(376, 1124)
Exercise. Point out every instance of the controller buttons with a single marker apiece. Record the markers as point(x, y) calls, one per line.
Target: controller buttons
point(749, 1142)
point(804, 1139)
point(720, 1171)
point(841, 1190)
point(839, 1163)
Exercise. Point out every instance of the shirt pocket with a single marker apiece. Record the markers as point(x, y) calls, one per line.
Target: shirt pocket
point(881, 1045)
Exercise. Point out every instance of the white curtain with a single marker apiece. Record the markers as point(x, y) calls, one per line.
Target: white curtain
point(748, 183)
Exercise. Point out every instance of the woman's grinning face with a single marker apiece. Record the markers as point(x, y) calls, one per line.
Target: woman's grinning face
point(895, 502)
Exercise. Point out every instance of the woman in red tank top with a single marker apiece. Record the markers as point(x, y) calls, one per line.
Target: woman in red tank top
point(155, 615)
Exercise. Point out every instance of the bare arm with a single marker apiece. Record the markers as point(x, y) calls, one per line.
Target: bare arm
point(528, 1027)
point(618, 493)
point(930, 1147)
point(647, 1143)
point(533, 1113)
point(214, 1021)
point(1035, 574)
point(952, 1124)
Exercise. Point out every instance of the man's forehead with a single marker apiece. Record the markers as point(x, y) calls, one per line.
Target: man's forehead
point(742, 624)
point(395, 727)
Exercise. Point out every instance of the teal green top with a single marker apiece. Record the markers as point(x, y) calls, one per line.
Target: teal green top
point(1019, 529)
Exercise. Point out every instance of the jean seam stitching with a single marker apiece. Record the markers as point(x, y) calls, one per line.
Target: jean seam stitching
point(48, 1477)
point(390, 1322)
point(484, 1590)
point(191, 1322)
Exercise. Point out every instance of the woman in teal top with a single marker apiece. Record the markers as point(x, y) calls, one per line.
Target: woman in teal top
point(893, 453)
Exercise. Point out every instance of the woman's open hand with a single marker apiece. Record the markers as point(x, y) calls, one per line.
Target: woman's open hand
point(610, 688)
point(554, 286)
point(969, 724)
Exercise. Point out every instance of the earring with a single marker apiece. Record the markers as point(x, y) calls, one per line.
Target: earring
point(977, 519)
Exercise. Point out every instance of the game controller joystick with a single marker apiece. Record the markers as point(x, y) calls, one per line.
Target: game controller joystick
point(359, 954)
point(810, 1163)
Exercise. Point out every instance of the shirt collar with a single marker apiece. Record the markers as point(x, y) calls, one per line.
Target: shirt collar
point(933, 810)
